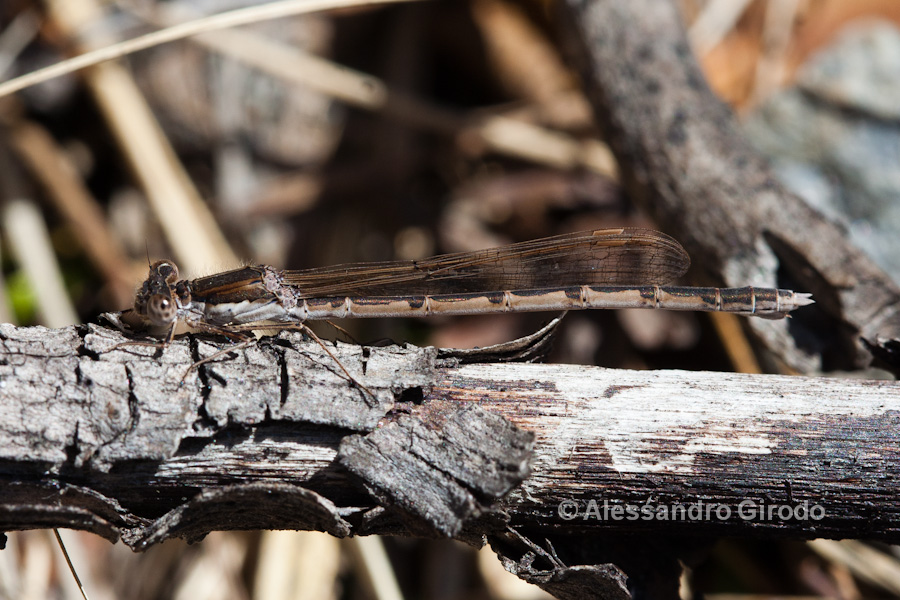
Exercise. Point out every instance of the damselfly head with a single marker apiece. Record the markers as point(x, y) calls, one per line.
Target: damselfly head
point(161, 295)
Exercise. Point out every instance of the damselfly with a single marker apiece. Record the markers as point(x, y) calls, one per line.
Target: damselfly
point(607, 268)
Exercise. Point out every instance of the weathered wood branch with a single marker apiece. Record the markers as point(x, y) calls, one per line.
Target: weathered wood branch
point(113, 441)
point(683, 157)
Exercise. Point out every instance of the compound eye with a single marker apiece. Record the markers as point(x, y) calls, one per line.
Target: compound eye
point(165, 269)
point(161, 310)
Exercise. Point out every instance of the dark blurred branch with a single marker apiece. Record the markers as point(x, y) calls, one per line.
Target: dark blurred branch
point(683, 157)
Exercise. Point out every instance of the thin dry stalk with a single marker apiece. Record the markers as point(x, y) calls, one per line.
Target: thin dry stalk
point(50, 166)
point(190, 228)
point(29, 241)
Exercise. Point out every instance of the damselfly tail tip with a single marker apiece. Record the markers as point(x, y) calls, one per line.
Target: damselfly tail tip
point(803, 299)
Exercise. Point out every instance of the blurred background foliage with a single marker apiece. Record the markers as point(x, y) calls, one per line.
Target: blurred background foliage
point(398, 132)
